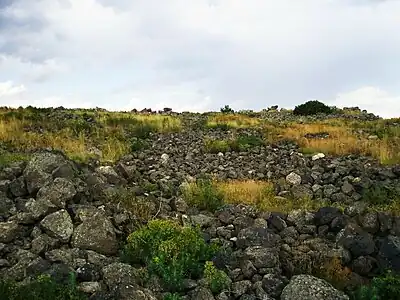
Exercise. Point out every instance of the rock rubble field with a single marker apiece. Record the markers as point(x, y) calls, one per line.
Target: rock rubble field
point(180, 215)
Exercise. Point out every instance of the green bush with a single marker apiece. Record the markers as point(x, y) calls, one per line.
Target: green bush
point(216, 146)
point(385, 287)
point(138, 144)
point(311, 108)
point(227, 110)
point(217, 280)
point(379, 194)
point(245, 142)
point(170, 296)
point(203, 194)
point(42, 288)
point(241, 143)
point(170, 251)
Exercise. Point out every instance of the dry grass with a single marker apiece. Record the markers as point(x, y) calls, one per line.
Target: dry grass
point(232, 120)
point(334, 272)
point(343, 139)
point(111, 137)
point(261, 194)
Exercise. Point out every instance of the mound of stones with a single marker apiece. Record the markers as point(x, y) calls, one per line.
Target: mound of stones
point(56, 217)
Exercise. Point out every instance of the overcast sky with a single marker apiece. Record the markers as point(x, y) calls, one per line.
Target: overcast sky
point(199, 55)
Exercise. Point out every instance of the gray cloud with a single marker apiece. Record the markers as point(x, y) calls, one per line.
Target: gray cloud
point(248, 53)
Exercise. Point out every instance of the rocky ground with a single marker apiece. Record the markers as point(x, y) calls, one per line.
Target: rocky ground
point(57, 216)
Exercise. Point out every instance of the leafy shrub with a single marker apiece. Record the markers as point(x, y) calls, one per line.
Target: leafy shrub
point(311, 108)
point(217, 280)
point(170, 251)
point(241, 143)
point(379, 194)
point(216, 146)
point(227, 110)
point(173, 296)
point(382, 287)
point(142, 130)
point(42, 288)
point(203, 194)
point(138, 144)
point(245, 142)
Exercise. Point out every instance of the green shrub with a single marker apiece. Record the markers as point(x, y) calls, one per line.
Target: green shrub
point(170, 251)
point(138, 144)
point(217, 280)
point(241, 143)
point(311, 108)
point(379, 194)
point(216, 146)
point(245, 142)
point(227, 110)
point(173, 296)
point(42, 288)
point(203, 194)
point(385, 287)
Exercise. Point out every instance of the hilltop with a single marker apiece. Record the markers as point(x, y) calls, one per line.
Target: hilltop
point(276, 204)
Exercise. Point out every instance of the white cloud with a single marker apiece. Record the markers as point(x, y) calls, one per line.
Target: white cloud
point(8, 88)
point(248, 54)
point(372, 99)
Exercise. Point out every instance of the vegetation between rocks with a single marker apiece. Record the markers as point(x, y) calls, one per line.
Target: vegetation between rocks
point(170, 251)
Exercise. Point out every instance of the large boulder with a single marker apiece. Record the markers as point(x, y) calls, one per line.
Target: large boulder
point(356, 240)
point(257, 236)
point(38, 170)
point(58, 225)
point(307, 287)
point(57, 193)
point(8, 231)
point(389, 253)
point(96, 233)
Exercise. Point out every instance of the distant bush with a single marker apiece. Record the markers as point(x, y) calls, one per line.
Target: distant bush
point(240, 143)
point(170, 251)
point(311, 108)
point(227, 110)
point(384, 287)
point(138, 144)
point(42, 288)
point(203, 194)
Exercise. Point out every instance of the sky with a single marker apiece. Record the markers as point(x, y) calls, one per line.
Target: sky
point(200, 55)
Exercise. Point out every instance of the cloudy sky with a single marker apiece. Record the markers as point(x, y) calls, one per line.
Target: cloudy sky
point(199, 55)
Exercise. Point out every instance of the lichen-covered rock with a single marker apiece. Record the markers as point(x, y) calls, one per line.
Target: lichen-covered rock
point(97, 234)
point(8, 231)
point(58, 192)
point(58, 225)
point(308, 287)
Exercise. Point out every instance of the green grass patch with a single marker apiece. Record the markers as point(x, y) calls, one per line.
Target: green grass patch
point(42, 288)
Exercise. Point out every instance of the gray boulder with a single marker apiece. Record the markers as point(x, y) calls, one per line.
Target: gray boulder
point(307, 287)
point(97, 234)
point(58, 225)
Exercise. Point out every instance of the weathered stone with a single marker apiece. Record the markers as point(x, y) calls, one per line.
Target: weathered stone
point(58, 225)
point(357, 241)
point(97, 234)
point(311, 288)
point(8, 231)
point(262, 257)
point(293, 178)
point(59, 192)
point(255, 236)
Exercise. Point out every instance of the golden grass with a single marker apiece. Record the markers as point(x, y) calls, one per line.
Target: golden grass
point(232, 120)
point(111, 139)
point(213, 193)
point(342, 139)
point(261, 194)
